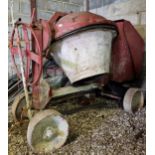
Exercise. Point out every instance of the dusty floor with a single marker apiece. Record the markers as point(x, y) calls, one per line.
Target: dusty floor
point(100, 128)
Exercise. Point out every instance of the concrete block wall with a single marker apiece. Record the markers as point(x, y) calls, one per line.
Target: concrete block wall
point(131, 10)
point(45, 8)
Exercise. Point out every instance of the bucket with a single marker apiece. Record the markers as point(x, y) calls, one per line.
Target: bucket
point(84, 54)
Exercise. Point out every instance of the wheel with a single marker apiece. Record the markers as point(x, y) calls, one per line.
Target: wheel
point(28, 56)
point(133, 100)
point(47, 131)
point(19, 111)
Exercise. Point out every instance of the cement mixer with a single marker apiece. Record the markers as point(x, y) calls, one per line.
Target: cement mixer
point(85, 47)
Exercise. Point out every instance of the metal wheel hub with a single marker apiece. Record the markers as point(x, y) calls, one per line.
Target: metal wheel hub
point(48, 133)
point(133, 100)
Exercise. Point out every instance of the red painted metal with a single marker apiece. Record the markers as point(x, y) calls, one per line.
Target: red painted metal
point(43, 32)
point(75, 21)
point(56, 17)
point(36, 70)
point(46, 34)
point(30, 56)
point(50, 25)
point(14, 51)
point(33, 12)
point(127, 53)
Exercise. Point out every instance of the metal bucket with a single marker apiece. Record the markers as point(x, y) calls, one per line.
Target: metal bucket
point(84, 54)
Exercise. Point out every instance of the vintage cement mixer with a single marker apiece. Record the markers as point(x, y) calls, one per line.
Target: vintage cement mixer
point(86, 47)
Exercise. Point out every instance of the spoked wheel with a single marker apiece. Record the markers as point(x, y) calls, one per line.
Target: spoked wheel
point(19, 110)
point(133, 100)
point(47, 131)
point(25, 52)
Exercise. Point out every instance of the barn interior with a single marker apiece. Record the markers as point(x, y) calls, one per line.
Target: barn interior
point(77, 77)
